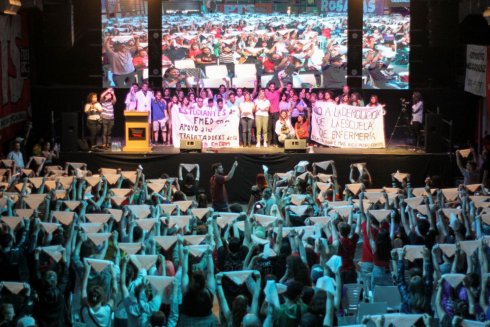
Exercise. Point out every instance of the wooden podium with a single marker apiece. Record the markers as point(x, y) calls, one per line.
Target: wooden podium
point(137, 131)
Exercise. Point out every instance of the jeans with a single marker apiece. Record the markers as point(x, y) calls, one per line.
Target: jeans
point(107, 125)
point(261, 123)
point(381, 276)
point(125, 80)
point(246, 125)
point(273, 118)
point(366, 269)
point(94, 128)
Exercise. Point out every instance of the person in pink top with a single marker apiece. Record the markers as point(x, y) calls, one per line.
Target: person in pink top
point(274, 96)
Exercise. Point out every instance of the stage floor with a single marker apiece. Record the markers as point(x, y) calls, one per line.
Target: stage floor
point(381, 163)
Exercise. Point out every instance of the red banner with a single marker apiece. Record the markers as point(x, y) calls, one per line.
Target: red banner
point(15, 93)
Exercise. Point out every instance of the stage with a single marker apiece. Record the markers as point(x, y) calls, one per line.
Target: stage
point(166, 159)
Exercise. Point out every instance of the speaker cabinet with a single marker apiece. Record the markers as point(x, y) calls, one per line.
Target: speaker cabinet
point(292, 146)
point(69, 131)
point(190, 145)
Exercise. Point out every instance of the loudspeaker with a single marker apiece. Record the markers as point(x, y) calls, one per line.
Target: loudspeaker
point(69, 131)
point(434, 142)
point(298, 146)
point(190, 145)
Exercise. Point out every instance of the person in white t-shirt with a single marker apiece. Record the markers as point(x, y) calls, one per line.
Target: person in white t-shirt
point(143, 98)
point(262, 107)
point(284, 130)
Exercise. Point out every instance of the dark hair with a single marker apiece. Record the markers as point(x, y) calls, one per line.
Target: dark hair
point(158, 319)
point(90, 95)
point(178, 196)
point(417, 96)
point(137, 232)
point(298, 270)
point(344, 229)
point(219, 100)
point(239, 310)
point(383, 245)
point(418, 299)
point(215, 166)
point(87, 249)
point(423, 226)
point(202, 200)
point(294, 290)
point(95, 295)
point(189, 179)
point(6, 240)
point(234, 245)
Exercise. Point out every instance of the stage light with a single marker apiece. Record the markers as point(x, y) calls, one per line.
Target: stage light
point(10, 7)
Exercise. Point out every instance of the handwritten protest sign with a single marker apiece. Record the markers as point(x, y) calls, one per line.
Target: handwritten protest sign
point(215, 128)
point(347, 126)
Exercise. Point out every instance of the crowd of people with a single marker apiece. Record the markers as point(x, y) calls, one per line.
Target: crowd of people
point(115, 248)
point(267, 116)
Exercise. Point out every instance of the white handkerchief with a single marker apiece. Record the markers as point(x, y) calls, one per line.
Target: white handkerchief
point(129, 175)
point(168, 208)
point(116, 214)
point(365, 204)
point(189, 167)
point(327, 284)
point(485, 219)
point(59, 194)
point(374, 196)
point(98, 217)
point(334, 263)
point(98, 264)
point(271, 294)
point(180, 221)
point(241, 225)
point(112, 178)
point(98, 238)
point(451, 194)
point(354, 188)
point(303, 176)
point(322, 164)
point(14, 287)
point(323, 186)
point(391, 190)
point(258, 240)
point(413, 252)
point(198, 250)
point(322, 221)
point(165, 242)
point(194, 239)
point(299, 210)
point(325, 178)
point(200, 212)
point(146, 224)
point(24, 213)
point(268, 251)
point(66, 181)
point(238, 277)
point(469, 247)
point(50, 227)
point(121, 191)
point(35, 200)
point(50, 185)
point(453, 279)
point(400, 320)
point(140, 211)
point(298, 199)
point(183, 205)
point(473, 187)
point(72, 205)
point(448, 249)
point(226, 218)
point(465, 153)
point(265, 220)
point(413, 202)
point(400, 176)
point(55, 251)
point(419, 191)
point(12, 222)
point(448, 211)
point(380, 215)
point(93, 180)
point(422, 209)
point(160, 282)
point(143, 261)
point(118, 200)
point(36, 181)
point(155, 187)
point(130, 248)
point(91, 227)
point(473, 323)
point(64, 217)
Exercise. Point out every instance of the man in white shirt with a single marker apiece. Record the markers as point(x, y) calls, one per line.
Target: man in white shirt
point(143, 98)
point(16, 156)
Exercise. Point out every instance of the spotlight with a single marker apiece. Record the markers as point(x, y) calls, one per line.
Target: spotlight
point(10, 7)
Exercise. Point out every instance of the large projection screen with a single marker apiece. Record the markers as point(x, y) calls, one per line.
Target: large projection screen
point(238, 44)
point(124, 42)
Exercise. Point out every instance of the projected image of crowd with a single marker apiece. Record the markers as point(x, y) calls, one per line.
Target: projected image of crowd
point(306, 50)
point(386, 48)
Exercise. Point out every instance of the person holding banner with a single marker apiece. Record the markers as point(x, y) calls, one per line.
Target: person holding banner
point(262, 107)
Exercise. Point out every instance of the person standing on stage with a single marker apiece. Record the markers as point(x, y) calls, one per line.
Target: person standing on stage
point(131, 97)
point(345, 92)
point(108, 99)
point(274, 96)
point(219, 195)
point(417, 116)
point(160, 117)
point(93, 109)
point(262, 107)
point(144, 98)
point(247, 109)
